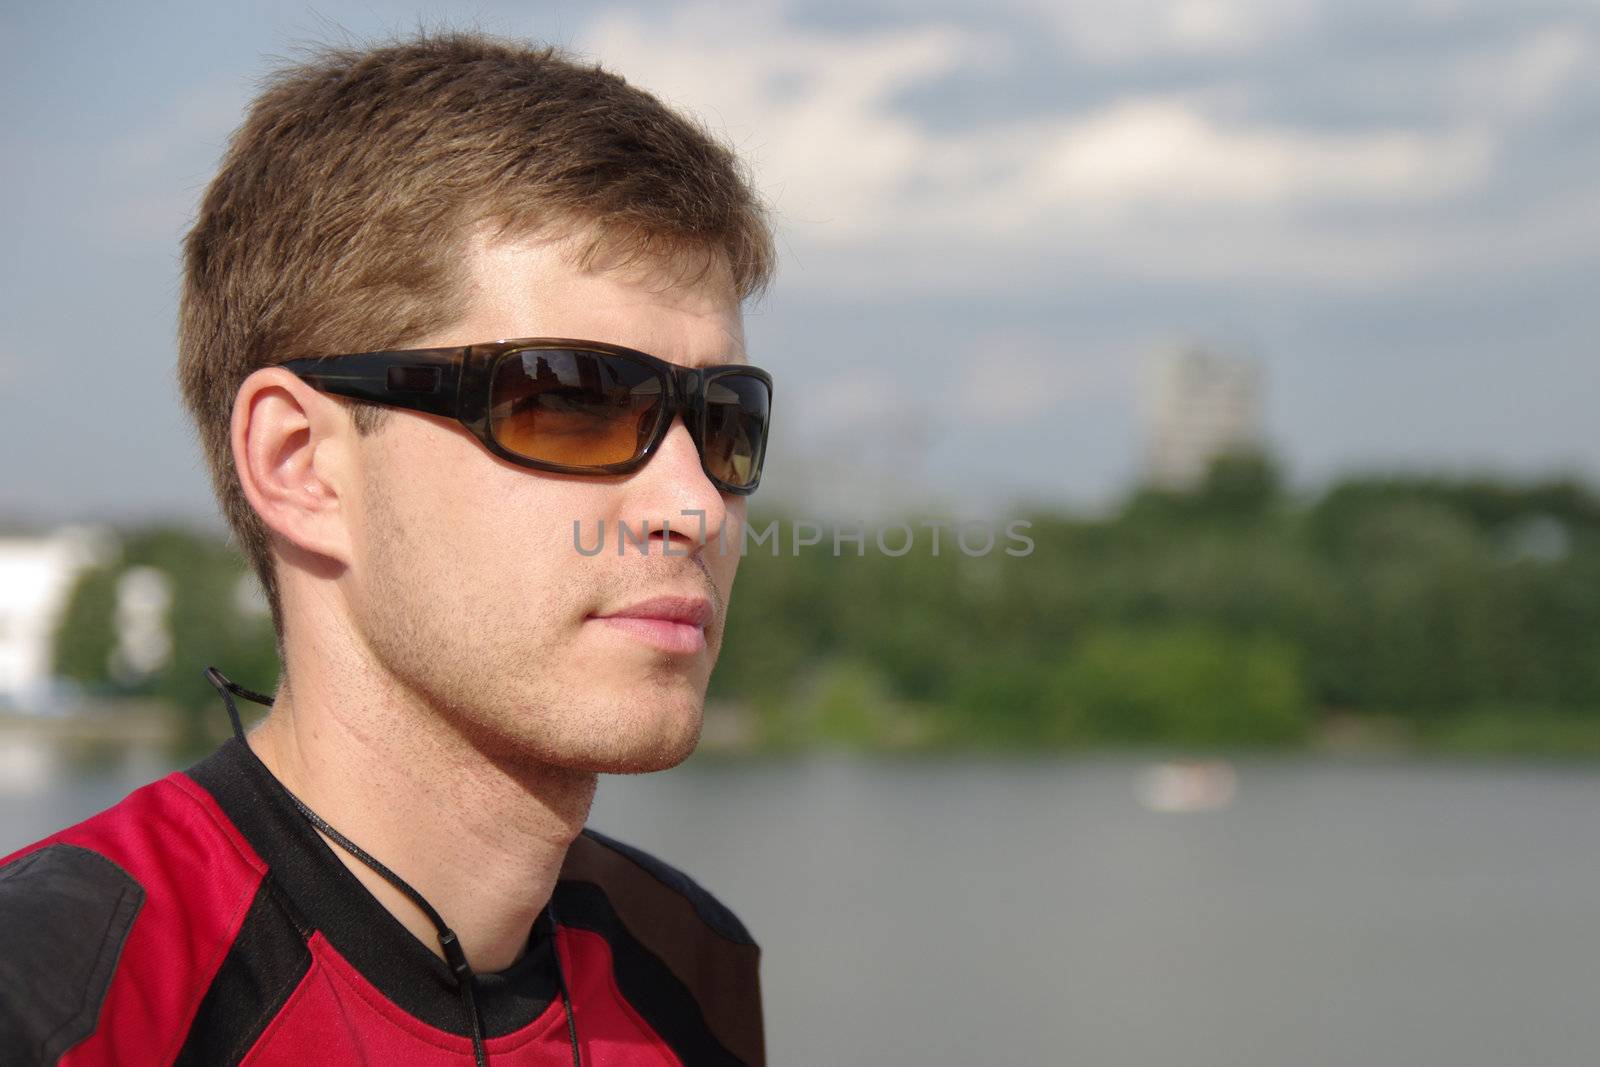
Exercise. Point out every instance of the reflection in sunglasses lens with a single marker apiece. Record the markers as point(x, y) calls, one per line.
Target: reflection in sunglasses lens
point(573, 408)
point(593, 409)
point(736, 418)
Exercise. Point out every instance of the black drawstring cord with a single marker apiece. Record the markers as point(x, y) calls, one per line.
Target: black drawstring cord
point(561, 980)
point(224, 686)
point(453, 954)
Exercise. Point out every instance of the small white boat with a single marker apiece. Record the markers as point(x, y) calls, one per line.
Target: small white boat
point(1182, 786)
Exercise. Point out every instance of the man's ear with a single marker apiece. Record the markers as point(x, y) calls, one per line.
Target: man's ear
point(294, 451)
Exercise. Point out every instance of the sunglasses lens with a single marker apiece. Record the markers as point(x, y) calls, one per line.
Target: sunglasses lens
point(738, 408)
point(579, 409)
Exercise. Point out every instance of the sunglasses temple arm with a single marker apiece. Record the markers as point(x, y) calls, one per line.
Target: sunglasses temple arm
point(426, 380)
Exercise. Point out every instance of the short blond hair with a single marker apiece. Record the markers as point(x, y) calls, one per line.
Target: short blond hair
point(339, 215)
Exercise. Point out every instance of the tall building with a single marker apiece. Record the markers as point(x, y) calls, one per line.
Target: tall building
point(1199, 403)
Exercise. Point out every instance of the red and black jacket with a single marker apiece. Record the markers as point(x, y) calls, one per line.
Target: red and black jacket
point(203, 921)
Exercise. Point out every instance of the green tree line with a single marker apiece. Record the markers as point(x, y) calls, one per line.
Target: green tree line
point(1467, 612)
point(1464, 612)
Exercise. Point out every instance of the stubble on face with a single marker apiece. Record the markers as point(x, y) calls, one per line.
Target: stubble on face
point(469, 589)
point(492, 650)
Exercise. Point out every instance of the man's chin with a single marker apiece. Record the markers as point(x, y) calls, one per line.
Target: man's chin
point(635, 746)
point(626, 745)
point(659, 753)
point(654, 762)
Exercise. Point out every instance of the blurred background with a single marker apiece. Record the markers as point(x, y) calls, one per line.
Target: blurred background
point(1268, 316)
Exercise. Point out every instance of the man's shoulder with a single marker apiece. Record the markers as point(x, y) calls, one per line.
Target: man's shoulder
point(641, 883)
point(163, 833)
point(118, 917)
point(65, 915)
point(680, 956)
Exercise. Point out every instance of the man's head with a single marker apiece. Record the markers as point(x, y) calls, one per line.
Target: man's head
point(452, 191)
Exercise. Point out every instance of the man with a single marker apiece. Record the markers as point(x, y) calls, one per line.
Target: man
point(446, 304)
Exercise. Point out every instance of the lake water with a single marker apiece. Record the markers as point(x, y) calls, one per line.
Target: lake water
point(1004, 912)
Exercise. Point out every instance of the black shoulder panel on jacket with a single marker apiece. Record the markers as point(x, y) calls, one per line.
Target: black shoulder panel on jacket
point(712, 911)
point(263, 968)
point(64, 914)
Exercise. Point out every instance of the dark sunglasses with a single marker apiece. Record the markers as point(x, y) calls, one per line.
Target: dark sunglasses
point(570, 407)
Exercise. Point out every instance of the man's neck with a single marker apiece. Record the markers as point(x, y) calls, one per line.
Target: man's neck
point(482, 842)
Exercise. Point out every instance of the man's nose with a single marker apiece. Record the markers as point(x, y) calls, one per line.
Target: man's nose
point(673, 492)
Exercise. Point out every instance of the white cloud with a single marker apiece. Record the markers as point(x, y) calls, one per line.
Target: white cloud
point(829, 143)
point(1518, 82)
point(1168, 185)
point(1546, 61)
point(1167, 150)
point(811, 111)
point(1119, 31)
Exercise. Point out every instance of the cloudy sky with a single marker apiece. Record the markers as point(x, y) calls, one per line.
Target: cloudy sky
point(1394, 206)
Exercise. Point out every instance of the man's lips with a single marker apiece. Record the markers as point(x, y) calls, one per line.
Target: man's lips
point(689, 610)
point(670, 623)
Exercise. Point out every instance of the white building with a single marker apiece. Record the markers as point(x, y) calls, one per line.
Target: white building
point(1198, 405)
point(36, 578)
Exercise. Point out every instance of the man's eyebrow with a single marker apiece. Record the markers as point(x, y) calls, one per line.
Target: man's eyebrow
point(726, 359)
